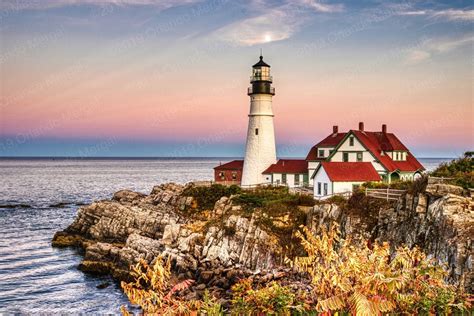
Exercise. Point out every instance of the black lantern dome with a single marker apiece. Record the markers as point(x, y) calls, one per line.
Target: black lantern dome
point(261, 79)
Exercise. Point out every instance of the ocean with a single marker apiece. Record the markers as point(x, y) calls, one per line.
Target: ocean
point(41, 196)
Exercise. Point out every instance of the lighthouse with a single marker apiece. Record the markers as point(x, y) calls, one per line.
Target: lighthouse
point(260, 151)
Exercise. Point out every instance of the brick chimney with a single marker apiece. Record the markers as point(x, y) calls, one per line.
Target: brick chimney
point(384, 128)
point(361, 126)
point(335, 129)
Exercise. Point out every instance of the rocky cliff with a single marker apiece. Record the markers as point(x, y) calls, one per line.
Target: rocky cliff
point(219, 245)
point(439, 220)
point(216, 248)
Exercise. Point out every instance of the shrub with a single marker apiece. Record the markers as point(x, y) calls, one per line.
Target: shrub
point(210, 306)
point(206, 197)
point(337, 199)
point(419, 185)
point(151, 290)
point(273, 299)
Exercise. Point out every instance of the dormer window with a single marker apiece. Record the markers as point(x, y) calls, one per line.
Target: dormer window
point(321, 153)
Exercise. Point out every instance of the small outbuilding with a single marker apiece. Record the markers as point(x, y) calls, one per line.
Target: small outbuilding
point(229, 173)
point(339, 177)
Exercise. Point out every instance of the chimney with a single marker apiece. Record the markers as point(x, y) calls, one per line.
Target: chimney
point(335, 129)
point(384, 128)
point(361, 126)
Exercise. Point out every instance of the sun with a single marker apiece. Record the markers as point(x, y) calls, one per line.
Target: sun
point(268, 38)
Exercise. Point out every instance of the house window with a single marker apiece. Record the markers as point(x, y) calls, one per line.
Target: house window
point(359, 156)
point(305, 179)
point(345, 157)
point(221, 175)
point(297, 179)
point(319, 188)
point(283, 178)
point(321, 153)
point(234, 175)
point(355, 187)
point(256, 131)
point(325, 189)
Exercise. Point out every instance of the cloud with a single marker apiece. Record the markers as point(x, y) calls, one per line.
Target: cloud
point(273, 24)
point(322, 7)
point(416, 56)
point(454, 15)
point(276, 25)
point(434, 47)
point(448, 14)
point(17, 5)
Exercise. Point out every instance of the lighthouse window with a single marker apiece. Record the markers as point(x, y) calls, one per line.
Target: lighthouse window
point(256, 131)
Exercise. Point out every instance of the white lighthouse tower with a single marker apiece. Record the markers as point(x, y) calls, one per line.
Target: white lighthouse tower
point(260, 151)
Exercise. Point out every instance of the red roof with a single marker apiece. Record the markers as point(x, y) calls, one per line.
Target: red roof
point(288, 166)
point(233, 165)
point(376, 142)
point(350, 171)
point(331, 141)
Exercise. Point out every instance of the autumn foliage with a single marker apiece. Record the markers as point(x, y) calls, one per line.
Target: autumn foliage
point(344, 278)
point(150, 290)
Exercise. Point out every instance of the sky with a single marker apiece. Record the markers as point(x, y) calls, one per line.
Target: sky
point(169, 77)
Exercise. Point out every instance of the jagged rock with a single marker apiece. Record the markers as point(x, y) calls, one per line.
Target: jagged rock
point(422, 203)
point(127, 196)
point(222, 206)
point(441, 189)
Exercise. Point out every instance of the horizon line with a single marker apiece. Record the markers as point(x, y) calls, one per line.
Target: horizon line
point(166, 157)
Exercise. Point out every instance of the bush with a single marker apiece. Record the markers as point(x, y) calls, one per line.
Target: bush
point(273, 299)
point(206, 197)
point(261, 197)
point(461, 170)
point(152, 290)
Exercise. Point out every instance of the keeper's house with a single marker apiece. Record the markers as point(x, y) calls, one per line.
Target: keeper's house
point(342, 161)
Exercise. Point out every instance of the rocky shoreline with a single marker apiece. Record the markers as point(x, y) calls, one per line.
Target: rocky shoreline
point(226, 242)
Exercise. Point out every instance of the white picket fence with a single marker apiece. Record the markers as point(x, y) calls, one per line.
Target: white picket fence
point(386, 194)
point(438, 180)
